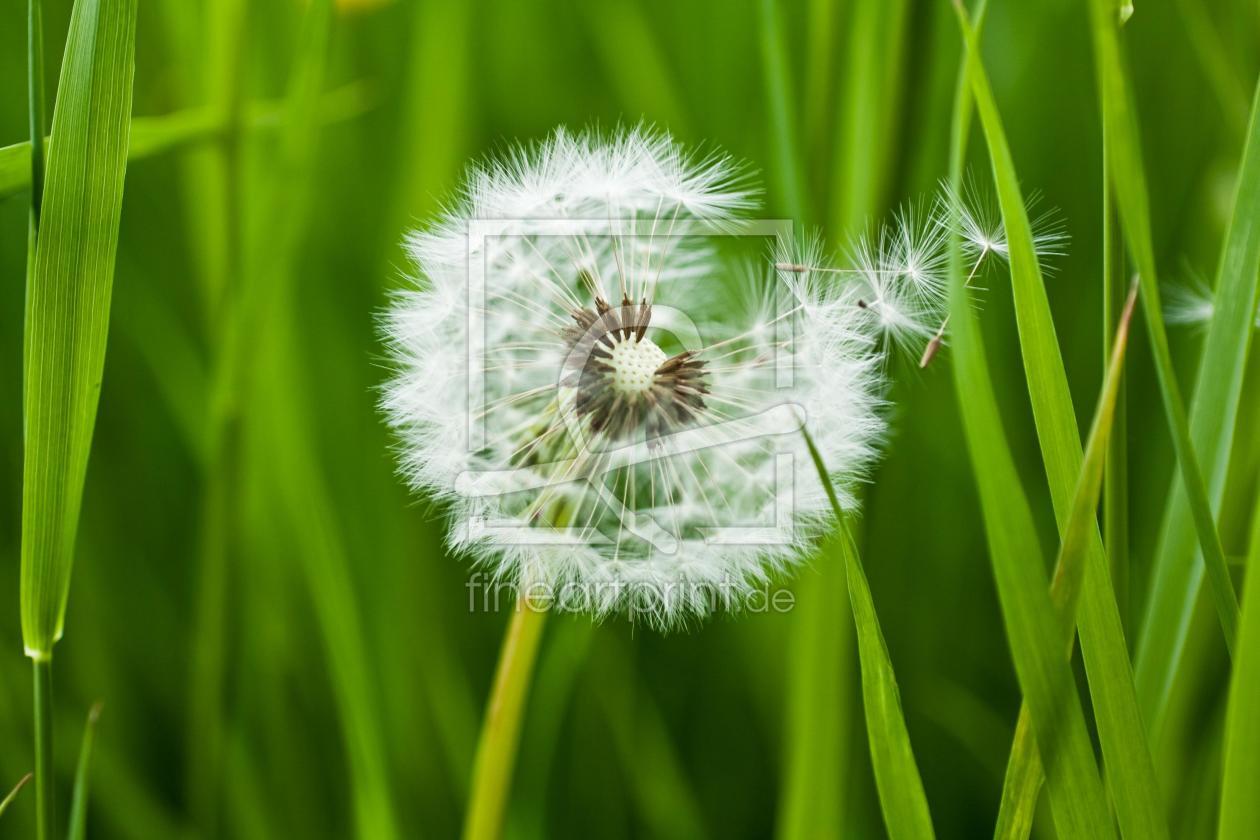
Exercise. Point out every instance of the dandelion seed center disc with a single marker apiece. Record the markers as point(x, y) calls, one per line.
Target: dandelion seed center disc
point(634, 363)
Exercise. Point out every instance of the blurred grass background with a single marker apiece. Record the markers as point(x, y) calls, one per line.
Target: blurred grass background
point(279, 639)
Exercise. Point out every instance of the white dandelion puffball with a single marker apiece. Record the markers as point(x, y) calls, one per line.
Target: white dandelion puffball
point(611, 404)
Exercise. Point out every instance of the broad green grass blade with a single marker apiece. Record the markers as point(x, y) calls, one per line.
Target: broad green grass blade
point(1125, 164)
point(1177, 574)
point(1130, 770)
point(1240, 804)
point(8, 800)
point(783, 134)
point(67, 316)
point(79, 803)
point(901, 796)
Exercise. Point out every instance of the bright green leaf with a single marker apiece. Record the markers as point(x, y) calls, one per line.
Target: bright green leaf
point(67, 316)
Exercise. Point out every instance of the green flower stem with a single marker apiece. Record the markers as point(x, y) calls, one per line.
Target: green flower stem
point(45, 793)
point(501, 728)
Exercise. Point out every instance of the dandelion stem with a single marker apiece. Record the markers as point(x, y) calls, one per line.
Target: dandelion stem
point(45, 800)
point(500, 729)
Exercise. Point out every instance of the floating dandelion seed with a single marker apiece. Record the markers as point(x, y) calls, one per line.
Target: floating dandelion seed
point(1192, 304)
point(612, 409)
point(978, 221)
point(1189, 304)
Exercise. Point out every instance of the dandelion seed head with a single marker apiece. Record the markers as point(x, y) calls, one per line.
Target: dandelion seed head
point(611, 409)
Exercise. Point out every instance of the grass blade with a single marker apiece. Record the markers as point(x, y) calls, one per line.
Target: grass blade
point(68, 302)
point(901, 796)
point(1240, 807)
point(69, 286)
point(1177, 574)
point(78, 805)
point(1125, 164)
point(1130, 769)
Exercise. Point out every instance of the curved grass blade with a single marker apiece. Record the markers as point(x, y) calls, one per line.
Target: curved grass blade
point(1177, 574)
point(1240, 807)
point(1124, 158)
point(1130, 769)
point(901, 796)
point(78, 804)
point(8, 800)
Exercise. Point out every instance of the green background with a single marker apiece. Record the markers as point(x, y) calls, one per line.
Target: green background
point(345, 625)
